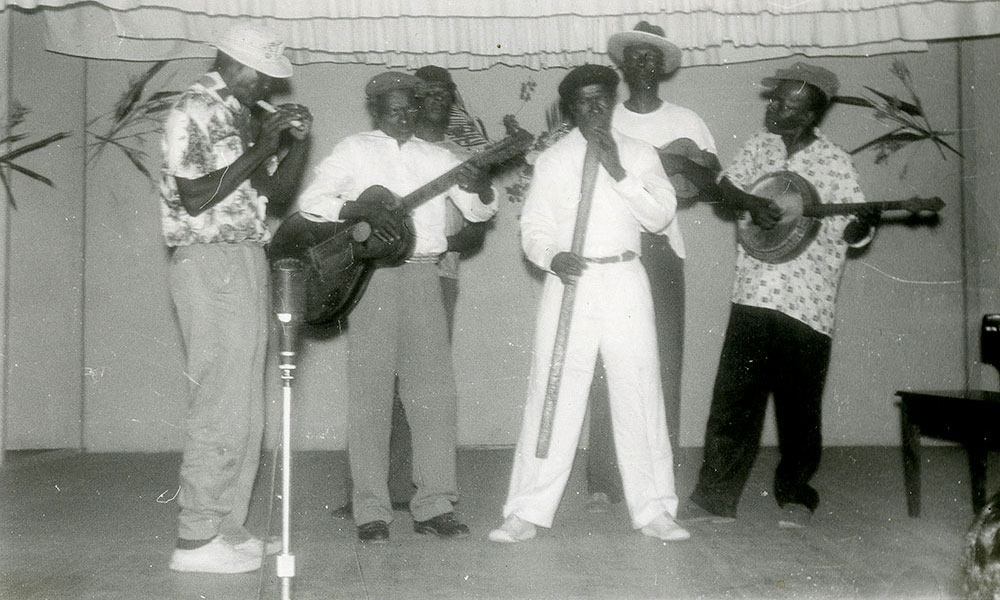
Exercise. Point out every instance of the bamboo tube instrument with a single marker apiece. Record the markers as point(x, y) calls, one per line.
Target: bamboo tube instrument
point(591, 165)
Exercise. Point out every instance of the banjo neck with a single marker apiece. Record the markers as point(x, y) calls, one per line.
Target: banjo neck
point(914, 204)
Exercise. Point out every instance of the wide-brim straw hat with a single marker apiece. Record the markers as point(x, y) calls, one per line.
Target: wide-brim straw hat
point(645, 33)
point(258, 48)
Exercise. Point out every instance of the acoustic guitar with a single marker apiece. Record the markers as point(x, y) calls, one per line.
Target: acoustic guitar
point(802, 211)
point(340, 257)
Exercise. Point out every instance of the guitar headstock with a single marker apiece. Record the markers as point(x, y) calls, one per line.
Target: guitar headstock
point(918, 205)
point(516, 143)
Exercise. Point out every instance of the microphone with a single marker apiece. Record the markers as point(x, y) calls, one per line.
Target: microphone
point(289, 296)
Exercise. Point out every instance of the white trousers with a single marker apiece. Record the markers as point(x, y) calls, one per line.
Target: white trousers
point(613, 314)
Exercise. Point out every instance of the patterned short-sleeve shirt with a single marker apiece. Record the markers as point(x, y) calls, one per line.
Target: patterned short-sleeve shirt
point(805, 287)
point(207, 130)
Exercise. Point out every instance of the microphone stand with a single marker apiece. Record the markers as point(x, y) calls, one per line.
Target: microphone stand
point(289, 301)
point(285, 561)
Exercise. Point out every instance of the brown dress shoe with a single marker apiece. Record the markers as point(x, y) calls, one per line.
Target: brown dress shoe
point(444, 526)
point(373, 531)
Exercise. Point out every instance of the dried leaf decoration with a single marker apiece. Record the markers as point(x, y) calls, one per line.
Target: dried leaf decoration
point(910, 120)
point(136, 115)
point(15, 117)
point(555, 128)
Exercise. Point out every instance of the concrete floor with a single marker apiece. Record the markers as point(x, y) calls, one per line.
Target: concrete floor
point(101, 526)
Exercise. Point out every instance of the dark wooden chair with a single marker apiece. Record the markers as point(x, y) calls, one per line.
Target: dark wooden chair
point(970, 417)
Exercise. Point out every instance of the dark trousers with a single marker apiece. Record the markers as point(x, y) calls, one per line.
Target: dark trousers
point(665, 271)
point(400, 446)
point(765, 353)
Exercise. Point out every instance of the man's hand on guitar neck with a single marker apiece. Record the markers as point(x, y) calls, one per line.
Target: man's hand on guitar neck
point(476, 180)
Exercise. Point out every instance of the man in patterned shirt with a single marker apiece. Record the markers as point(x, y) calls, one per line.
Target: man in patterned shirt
point(220, 170)
point(780, 328)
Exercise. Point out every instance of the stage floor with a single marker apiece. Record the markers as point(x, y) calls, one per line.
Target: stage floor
point(102, 526)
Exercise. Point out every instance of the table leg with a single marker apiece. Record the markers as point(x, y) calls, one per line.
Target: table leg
point(911, 460)
point(978, 453)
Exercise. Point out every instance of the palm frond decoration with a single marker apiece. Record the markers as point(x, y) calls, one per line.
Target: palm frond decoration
point(136, 115)
point(15, 117)
point(908, 117)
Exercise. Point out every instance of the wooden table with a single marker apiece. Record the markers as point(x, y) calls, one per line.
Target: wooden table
point(971, 418)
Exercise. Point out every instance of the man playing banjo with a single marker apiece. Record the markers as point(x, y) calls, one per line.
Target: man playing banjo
point(781, 324)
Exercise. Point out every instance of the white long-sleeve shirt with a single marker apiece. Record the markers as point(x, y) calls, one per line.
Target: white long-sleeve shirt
point(373, 158)
point(643, 199)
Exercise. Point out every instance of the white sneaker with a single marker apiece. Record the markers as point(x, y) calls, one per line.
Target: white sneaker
point(214, 557)
point(514, 529)
point(665, 528)
point(257, 546)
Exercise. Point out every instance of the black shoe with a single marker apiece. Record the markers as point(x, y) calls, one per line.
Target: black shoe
point(347, 511)
point(444, 526)
point(374, 531)
point(691, 512)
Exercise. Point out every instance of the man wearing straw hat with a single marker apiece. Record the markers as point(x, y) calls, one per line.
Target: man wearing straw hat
point(646, 58)
point(220, 171)
point(612, 313)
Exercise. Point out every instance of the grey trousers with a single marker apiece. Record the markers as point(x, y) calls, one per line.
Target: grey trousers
point(221, 293)
point(399, 329)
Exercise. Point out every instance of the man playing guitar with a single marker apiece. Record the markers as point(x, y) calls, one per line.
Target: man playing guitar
point(399, 326)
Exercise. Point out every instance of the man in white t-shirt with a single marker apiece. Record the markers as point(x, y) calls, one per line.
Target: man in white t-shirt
point(646, 58)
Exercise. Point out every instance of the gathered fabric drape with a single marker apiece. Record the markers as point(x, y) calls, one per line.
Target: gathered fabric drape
point(531, 33)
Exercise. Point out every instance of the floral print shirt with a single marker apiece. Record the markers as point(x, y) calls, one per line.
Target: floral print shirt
point(207, 130)
point(804, 288)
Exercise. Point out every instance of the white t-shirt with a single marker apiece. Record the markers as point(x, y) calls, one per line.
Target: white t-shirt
point(659, 128)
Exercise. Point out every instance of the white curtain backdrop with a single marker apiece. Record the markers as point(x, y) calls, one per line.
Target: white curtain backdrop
point(477, 34)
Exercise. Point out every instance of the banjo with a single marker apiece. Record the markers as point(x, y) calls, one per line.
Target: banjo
point(802, 211)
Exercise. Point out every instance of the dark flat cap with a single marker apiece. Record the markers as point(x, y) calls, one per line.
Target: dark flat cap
point(433, 73)
point(587, 75)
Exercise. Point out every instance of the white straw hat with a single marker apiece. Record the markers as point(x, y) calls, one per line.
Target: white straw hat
point(256, 47)
point(645, 33)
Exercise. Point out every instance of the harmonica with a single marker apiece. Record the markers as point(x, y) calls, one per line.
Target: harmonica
point(271, 109)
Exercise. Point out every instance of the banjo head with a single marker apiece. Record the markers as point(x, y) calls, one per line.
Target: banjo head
point(792, 233)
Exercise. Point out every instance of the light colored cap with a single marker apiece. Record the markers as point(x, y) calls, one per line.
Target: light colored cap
point(822, 78)
point(258, 48)
point(390, 80)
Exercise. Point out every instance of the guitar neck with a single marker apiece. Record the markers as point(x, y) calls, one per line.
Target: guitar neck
point(829, 210)
point(433, 188)
point(502, 150)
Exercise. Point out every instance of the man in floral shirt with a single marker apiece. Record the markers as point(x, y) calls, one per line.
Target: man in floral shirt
point(220, 169)
point(780, 328)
